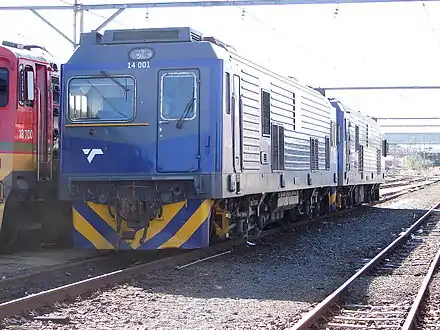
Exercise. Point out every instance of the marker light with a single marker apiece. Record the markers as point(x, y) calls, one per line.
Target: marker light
point(141, 54)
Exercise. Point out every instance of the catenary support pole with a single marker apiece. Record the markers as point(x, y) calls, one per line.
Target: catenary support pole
point(111, 18)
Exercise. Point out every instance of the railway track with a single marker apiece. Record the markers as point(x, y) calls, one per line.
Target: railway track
point(403, 182)
point(176, 258)
point(429, 316)
point(415, 253)
point(399, 189)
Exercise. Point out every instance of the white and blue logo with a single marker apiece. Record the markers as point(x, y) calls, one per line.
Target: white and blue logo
point(91, 153)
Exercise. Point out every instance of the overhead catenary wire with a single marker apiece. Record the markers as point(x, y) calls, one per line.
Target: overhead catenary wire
point(94, 13)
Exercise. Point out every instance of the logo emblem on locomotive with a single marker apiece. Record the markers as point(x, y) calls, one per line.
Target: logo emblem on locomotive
point(92, 153)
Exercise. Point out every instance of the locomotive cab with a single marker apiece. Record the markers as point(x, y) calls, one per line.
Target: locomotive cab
point(29, 97)
point(137, 129)
point(134, 112)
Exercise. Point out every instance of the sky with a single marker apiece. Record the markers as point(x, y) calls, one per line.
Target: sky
point(321, 45)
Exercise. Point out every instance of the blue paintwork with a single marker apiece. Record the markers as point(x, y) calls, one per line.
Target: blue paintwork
point(185, 155)
point(134, 149)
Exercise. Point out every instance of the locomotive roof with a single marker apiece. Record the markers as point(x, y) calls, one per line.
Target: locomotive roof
point(349, 110)
point(28, 54)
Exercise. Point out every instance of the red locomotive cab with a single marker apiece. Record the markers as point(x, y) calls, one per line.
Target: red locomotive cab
point(29, 93)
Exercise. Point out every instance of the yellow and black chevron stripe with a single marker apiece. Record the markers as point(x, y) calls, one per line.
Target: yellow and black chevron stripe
point(184, 225)
point(333, 204)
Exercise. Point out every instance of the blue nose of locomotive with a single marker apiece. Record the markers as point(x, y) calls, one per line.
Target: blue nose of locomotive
point(138, 110)
point(101, 131)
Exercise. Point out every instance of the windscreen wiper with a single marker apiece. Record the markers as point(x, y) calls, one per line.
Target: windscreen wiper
point(105, 74)
point(189, 106)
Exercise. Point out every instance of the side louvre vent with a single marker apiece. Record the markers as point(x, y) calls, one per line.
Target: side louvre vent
point(294, 111)
point(356, 138)
point(281, 147)
point(366, 136)
point(379, 161)
point(314, 155)
point(327, 153)
point(265, 113)
point(361, 158)
point(195, 37)
point(275, 147)
point(277, 141)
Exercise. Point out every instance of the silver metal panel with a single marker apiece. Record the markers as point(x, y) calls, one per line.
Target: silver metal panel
point(301, 111)
point(372, 173)
point(251, 120)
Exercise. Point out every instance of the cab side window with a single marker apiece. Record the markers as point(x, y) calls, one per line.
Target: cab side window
point(178, 99)
point(4, 87)
point(26, 86)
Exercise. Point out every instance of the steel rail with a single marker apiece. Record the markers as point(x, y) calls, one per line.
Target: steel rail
point(410, 320)
point(64, 292)
point(313, 316)
point(45, 298)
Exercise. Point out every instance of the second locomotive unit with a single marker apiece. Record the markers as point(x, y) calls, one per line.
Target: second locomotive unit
point(170, 139)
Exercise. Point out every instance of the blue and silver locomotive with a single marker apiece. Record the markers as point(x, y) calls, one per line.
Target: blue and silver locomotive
point(170, 139)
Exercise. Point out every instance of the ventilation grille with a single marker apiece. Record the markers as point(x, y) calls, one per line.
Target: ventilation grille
point(294, 111)
point(361, 158)
point(264, 158)
point(155, 35)
point(144, 35)
point(379, 161)
point(265, 112)
point(314, 155)
point(356, 138)
point(196, 37)
point(277, 147)
point(327, 153)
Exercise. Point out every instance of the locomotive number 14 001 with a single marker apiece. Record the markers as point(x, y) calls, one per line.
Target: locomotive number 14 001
point(139, 65)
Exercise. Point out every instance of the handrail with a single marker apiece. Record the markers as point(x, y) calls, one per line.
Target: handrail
point(52, 144)
point(38, 131)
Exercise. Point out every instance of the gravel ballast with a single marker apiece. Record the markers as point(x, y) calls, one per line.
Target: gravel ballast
point(268, 286)
point(399, 279)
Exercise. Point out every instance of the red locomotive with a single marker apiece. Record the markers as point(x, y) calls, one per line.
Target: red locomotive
point(29, 111)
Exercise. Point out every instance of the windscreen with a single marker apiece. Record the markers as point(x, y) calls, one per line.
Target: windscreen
point(102, 99)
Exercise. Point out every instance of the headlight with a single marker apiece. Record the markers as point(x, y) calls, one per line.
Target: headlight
point(141, 54)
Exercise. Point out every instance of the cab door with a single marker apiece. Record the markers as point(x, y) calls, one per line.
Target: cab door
point(178, 138)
